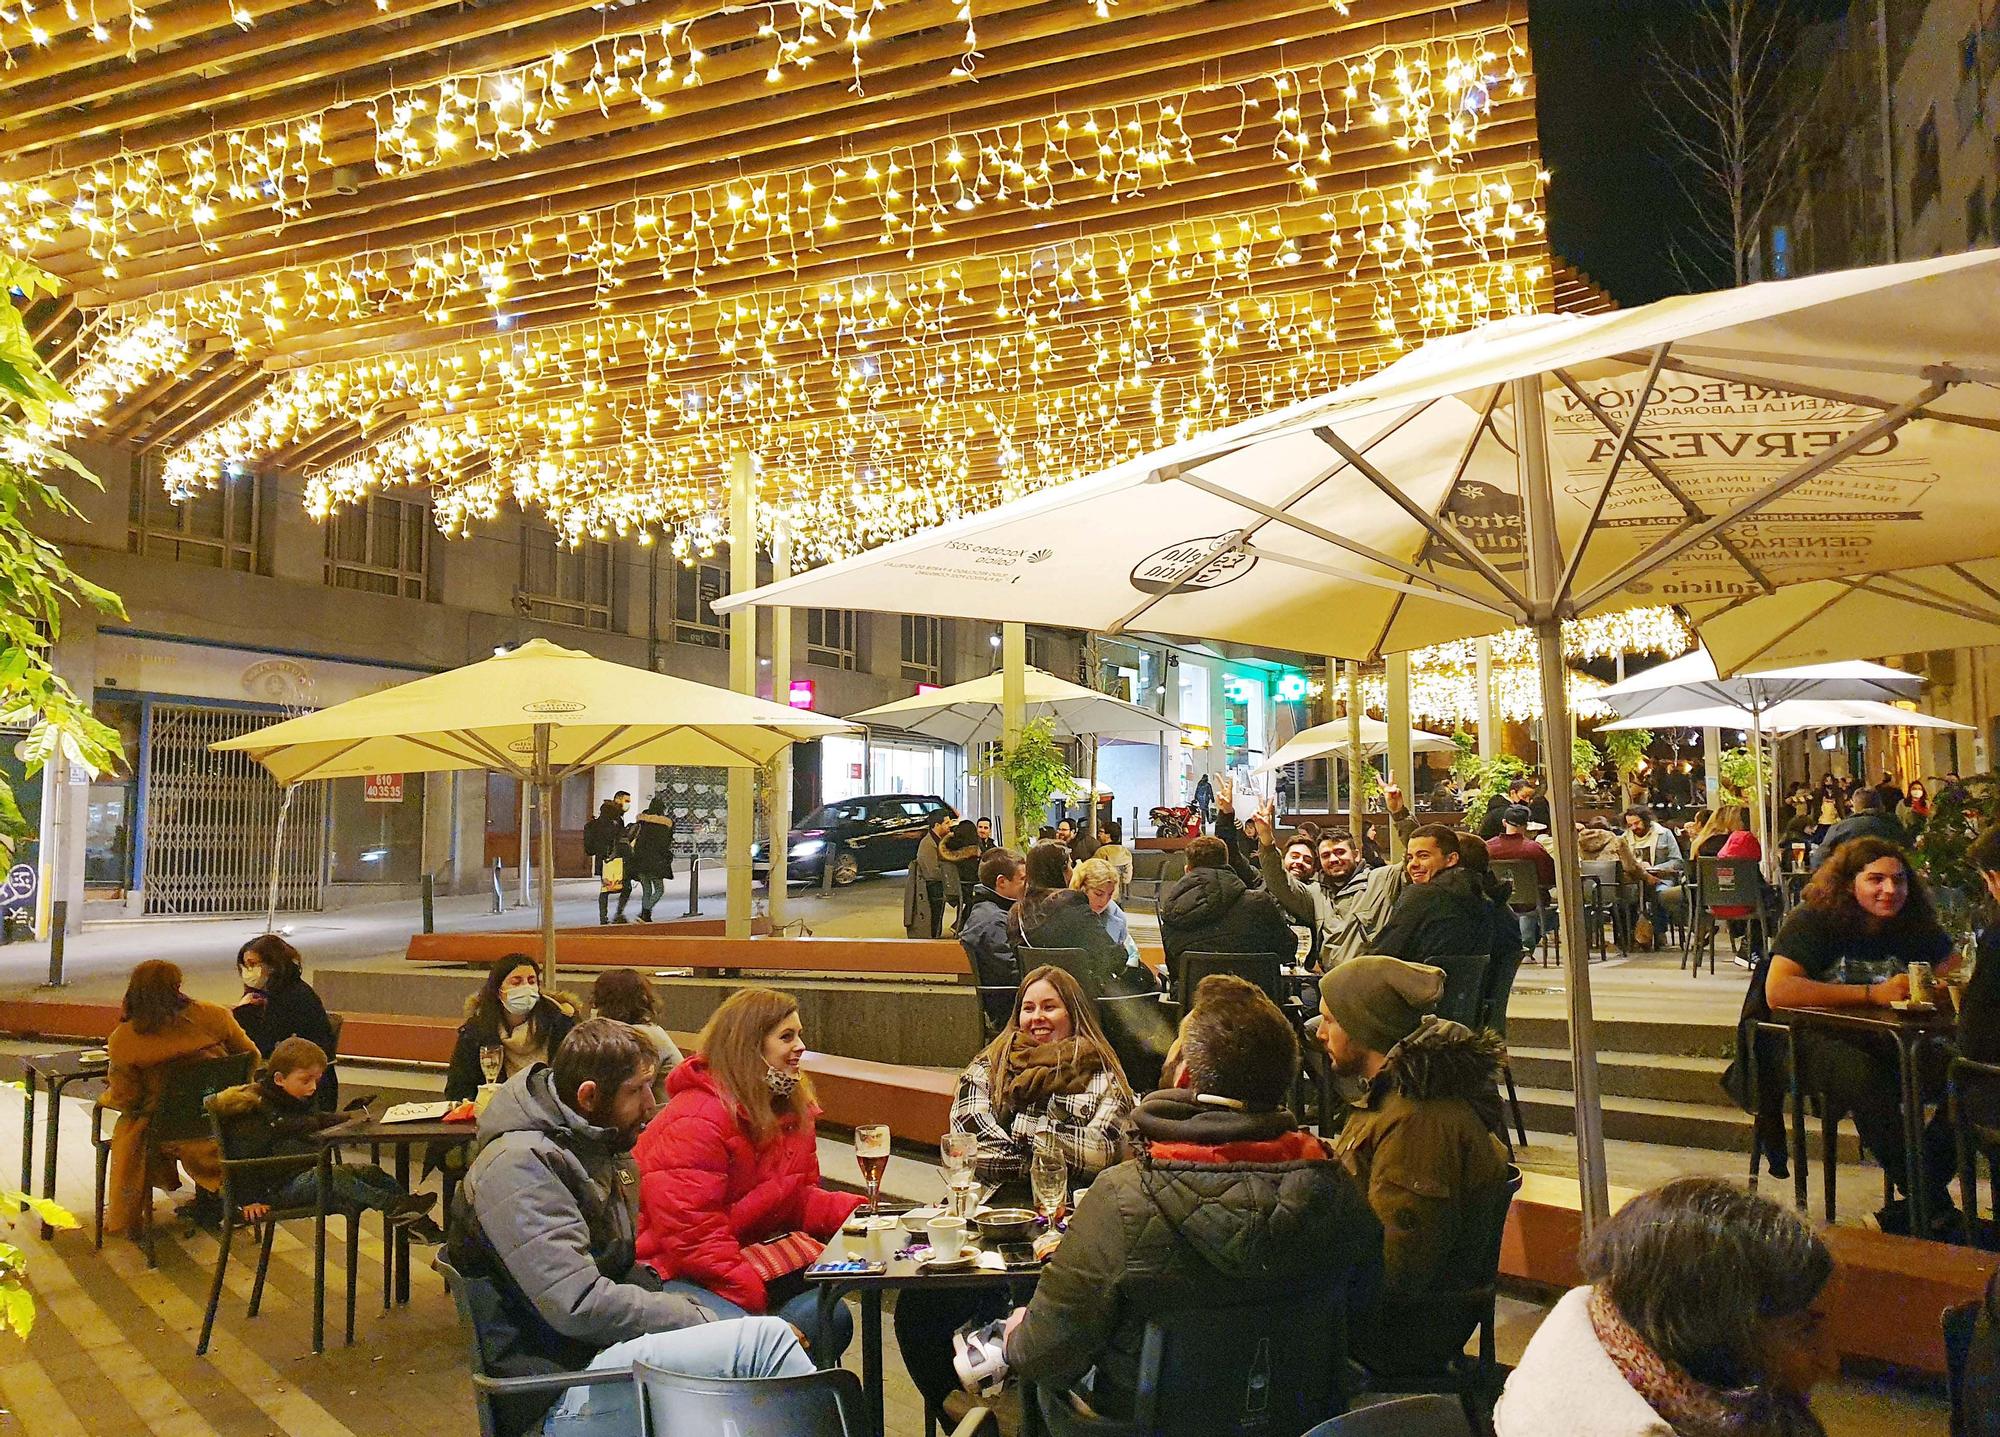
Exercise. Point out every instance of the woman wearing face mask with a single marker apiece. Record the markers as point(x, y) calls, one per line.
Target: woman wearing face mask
point(510, 1025)
point(732, 1161)
point(278, 1003)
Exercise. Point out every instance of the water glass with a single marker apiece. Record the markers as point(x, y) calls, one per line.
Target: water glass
point(960, 1152)
point(1048, 1175)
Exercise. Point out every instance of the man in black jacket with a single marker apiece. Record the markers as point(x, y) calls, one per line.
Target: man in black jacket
point(1442, 911)
point(1865, 819)
point(1209, 910)
point(1229, 1201)
point(982, 932)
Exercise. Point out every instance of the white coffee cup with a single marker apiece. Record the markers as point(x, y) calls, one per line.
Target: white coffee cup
point(883, 1237)
point(484, 1096)
point(947, 1235)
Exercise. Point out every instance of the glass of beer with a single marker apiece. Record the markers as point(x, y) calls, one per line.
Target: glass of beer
point(871, 1150)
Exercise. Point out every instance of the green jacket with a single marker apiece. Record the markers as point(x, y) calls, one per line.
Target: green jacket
point(1421, 1144)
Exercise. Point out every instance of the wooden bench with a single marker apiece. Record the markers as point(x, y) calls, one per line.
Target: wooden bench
point(625, 948)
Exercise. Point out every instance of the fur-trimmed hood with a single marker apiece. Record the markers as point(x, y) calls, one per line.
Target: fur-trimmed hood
point(237, 1102)
point(657, 820)
point(1443, 1059)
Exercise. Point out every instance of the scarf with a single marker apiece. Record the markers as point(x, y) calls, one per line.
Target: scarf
point(1036, 1072)
point(520, 1049)
point(1690, 1407)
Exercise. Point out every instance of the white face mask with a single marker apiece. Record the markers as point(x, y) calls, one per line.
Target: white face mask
point(781, 1081)
point(520, 1001)
point(254, 976)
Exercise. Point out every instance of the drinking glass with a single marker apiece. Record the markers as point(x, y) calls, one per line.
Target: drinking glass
point(959, 1151)
point(1048, 1175)
point(871, 1150)
point(490, 1059)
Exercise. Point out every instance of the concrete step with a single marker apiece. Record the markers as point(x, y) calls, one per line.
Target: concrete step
point(1624, 1035)
point(1665, 1077)
point(1714, 1126)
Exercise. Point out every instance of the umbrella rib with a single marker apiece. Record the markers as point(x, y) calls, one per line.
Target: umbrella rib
point(1975, 581)
point(590, 755)
point(594, 755)
point(1689, 509)
point(480, 749)
point(1814, 391)
point(1909, 591)
point(1688, 536)
point(1307, 527)
point(1445, 533)
point(331, 758)
point(1778, 638)
point(1334, 571)
point(1240, 540)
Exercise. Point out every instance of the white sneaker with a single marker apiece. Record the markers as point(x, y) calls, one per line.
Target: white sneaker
point(979, 1357)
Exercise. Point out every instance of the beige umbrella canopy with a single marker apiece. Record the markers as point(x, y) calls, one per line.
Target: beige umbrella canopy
point(1855, 616)
point(540, 713)
point(970, 711)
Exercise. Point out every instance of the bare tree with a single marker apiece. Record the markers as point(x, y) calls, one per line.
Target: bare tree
point(1728, 124)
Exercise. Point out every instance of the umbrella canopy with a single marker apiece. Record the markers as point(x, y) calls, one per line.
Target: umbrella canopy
point(1330, 740)
point(1536, 469)
point(1691, 682)
point(969, 712)
point(541, 713)
point(1855, 616)
point(1791, 716)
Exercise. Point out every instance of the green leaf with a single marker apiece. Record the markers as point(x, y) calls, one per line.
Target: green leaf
point(52, 1212)
point(17, 1310)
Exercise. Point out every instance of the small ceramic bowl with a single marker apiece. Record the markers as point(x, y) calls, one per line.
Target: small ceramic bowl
point(915, 1219)
point(1006, 1224)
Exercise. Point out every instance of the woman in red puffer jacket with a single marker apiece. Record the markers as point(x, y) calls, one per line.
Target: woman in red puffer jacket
point(732, 1161)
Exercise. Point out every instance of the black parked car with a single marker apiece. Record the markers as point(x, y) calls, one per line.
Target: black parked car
point(874, 833)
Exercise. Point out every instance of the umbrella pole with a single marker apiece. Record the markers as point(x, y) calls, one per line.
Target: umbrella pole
point(277, 860)
point(545, 806)
point(1545, 573)
point(1357, 822)
point(1761, 816)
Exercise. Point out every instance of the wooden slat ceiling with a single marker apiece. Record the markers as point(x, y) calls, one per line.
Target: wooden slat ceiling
point(569, 257)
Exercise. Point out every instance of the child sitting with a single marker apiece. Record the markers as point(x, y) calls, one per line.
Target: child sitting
point(274, 1117)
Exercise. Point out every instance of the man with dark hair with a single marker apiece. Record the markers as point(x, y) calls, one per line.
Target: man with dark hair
point(1442, 910)
point(1342, 902)
point(1514, 843)
point(1865, 819)
point(544, 1214)
point(1520, 790)
point(982, 932)
point(1229, 1201)
point(1210, 910)
point(1420, 1142)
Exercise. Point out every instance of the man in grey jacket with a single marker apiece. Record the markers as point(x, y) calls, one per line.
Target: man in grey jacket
point(1345, 904)
point(547, 1215)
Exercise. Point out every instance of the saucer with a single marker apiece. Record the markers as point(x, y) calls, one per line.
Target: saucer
point(962, 1262)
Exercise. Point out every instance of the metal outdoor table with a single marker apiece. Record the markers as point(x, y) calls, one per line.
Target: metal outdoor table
point(57, 1070)
point(904, 1272)
point(1910, 1031)
point(402, 1137)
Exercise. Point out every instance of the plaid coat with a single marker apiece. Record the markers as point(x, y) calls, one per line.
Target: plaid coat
point(1086, 1125)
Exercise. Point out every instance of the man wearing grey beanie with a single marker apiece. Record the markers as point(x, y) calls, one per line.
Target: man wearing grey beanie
point(1421, 1141)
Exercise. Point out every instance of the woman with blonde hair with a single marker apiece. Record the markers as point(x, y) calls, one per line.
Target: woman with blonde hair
point(1097, 880)
point(1051, 1073)
point(731, 1209)
point(159, 1028)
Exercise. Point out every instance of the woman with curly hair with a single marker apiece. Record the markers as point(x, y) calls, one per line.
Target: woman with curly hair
point(1865, 918)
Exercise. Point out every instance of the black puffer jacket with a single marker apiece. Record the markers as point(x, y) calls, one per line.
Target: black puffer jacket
point(262, 1120)
point(1449, 915)
point(1221, 1205)
point(982, 932)
point(652, 847)
point(1210, 910)
point(1061, 918)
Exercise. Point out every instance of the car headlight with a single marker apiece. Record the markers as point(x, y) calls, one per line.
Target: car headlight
point(807, 847)
point(756, 851)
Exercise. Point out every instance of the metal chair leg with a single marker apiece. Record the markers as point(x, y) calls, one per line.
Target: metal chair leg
point(146, 1211)
point(215, 1287)
point(103, 1162)
point(1514, 1101)
point(270, 1235)
point(388, 1263)
point(353, 1265)
point(1829, 1152)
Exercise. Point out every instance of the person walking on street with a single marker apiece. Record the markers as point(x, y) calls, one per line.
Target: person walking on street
point(652, 860)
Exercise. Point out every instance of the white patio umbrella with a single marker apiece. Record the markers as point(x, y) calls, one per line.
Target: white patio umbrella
point(1855, 616)
point(1691, 681)
point(540, 713)
point(1521, 474)
point(967, 713)
point(1330, 740)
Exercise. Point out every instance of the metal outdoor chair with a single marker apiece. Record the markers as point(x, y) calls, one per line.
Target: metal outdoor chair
point(1464, 986)
point(1495, 989)
point(1756, 1076)
point(1262, 969)
point(1521, 875)
point(1270, 1368)
point(233, 1170)
point(179, 1116)
point(479, 1309)
point(1972, 1093)
point(1609, 897)
point(1722, 883)
point(827, 1403)
point(1406, 1417)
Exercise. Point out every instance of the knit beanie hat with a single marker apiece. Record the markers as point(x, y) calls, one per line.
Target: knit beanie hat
point(1379, 1002)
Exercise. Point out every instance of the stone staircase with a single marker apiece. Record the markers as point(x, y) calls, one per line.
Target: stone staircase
point(1661, 1083)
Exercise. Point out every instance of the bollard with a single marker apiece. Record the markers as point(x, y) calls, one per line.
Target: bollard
point(58, 921)
point(430, 904)
point(499, 898)
point(694, 884)
point(826, 874)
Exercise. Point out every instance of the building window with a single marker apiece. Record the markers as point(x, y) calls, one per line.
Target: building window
point(564, 584)
point(381, 546)
point(1035, 651)
point(216, 528)
point(695, 591)
point(1924, 169)
point(923, 648)
point(1977, 216)
point(831, 638)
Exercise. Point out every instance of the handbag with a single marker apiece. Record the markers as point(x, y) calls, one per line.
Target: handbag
point(786, 1253)
point(614, 874)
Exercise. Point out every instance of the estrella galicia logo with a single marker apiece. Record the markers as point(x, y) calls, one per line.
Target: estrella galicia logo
point(1040, 555)
point(1158, 572)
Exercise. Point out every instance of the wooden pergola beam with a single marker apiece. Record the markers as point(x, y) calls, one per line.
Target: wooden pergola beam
point(172, 377)
point(228, 383)
point(171, 25)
